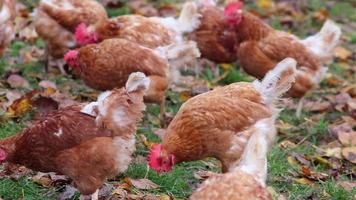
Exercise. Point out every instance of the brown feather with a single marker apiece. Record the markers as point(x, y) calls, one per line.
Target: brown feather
point(135, 28)
point(234, 185)
point(262, 47)
point(207, 124)
point(215, 40)
point(108, 64)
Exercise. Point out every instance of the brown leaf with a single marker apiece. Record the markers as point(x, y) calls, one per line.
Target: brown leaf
point(350, 89)
point(305, 160)
point(349, 154)
point(347, 185)
point(16, 81)
point(120, 192)
point(322, 14)
point(312, 175)
point(347, 138)
point(143, 184)
point(47, 84)
point(342, 53)
point(42, 180)
point(202, 174)
point(286, 144)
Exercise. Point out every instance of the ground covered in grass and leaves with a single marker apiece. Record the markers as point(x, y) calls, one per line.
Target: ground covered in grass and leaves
point(315, 152)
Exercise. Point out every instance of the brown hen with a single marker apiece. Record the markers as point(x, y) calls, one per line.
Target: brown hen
point(56, 20)
point(219, 123)
point(88, 143)
point(150, 32)
point(215, 40)
point(246, 180)
point(261, 48)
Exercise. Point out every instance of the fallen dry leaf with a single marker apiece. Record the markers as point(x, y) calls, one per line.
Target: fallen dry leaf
point(265, 4)
point(304, 181)
point(147, 143)
point(333, 152)
point(347, 185)
point(42, 180)
point(184, 96)
point(202, 174)
point(349, 154)
point(286, 144)
point(342, 53)
point(350, 89)
point(332, 80)
point(292, 161)
point(17, 81)
point(347, 138)
point(143, 184)
point(312, 175)
point(47, 84)
point(120, 193)
point(68, 193)
point(322, 14)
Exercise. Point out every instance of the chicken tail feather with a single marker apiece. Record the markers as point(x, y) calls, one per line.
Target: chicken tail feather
point(179, 55)
point(323, 43)
point(189, 18)
point(137, 81)
point(277, 81)
point(254, 158)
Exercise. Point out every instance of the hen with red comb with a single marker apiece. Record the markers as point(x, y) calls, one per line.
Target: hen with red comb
point(261, 47)
point(56, 21)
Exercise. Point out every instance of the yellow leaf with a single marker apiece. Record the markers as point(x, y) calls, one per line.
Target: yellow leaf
point(184, 96)
point(147, 143)
point(342, 53)
point(265, 4)
point(226, 66)
point(333, 152)
point(48, 91)
point(292, 161)
point(303, 181)
point(18, 108)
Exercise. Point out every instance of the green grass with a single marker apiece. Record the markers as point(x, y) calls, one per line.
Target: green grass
point(24, 189)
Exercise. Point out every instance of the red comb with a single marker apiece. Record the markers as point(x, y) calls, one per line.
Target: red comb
point(233, 6)
point(81, 33)
point(3, 155)
point(70, 57)
point(153, 157)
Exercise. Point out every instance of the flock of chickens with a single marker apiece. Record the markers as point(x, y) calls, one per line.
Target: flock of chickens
point(135, 59)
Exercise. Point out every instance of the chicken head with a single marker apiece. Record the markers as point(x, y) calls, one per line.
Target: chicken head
point(160, 161)
point(233, 13)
